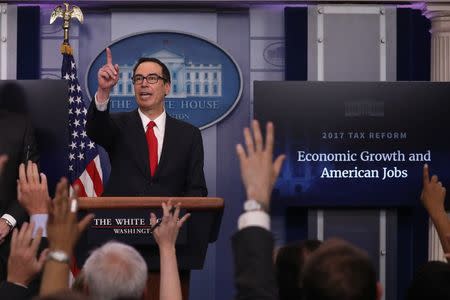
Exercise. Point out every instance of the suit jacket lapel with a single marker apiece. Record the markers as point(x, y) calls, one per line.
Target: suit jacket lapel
point(138, 143)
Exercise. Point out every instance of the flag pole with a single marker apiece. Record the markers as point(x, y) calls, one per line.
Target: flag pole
point(83, 154)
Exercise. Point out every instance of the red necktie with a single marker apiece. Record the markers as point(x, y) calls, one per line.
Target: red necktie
point(152, 143)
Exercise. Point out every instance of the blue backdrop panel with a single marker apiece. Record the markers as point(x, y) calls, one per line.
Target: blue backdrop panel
point(229, 133)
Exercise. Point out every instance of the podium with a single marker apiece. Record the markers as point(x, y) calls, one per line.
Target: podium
point(126, 219)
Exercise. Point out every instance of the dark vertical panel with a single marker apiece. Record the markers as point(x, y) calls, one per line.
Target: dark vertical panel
point(296, 68)
point(296, 39)
point(229, 133)
point(420, 237)
point(28, 42)
point(296, 224)
point(412, 245)
point(405, 250)
point(413, 45)
point(391, 254)
point(413, 64)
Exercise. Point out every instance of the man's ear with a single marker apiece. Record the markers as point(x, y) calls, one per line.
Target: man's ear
point(167, 88)
point(379, 291)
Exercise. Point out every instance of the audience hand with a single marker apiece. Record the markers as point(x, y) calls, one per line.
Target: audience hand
point(3, 160)
point(258, 171)
point(63, 230)
point(433, 193)
point(32, 189)
point(5, 229)
point(22, 262)
point(447, 255)
point(166, 233)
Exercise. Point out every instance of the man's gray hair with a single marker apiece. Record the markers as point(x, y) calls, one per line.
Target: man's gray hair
point(114, 271)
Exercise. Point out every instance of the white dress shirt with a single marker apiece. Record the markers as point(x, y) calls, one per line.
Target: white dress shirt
point(257, 218)
point(40, 221)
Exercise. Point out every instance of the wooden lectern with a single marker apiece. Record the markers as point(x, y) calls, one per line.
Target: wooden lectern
point(126, 219)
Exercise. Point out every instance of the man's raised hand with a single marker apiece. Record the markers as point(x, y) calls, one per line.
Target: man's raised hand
point(107, 76)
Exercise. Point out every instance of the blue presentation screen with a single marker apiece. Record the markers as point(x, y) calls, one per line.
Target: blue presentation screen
point(356, 143)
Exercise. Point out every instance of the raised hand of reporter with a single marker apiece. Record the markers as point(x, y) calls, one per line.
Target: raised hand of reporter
point(433, 198)
point(258, 169)
point(3, 160)
point(32, 189)
point(433, 193)
point(165, 236)
point(63, 229)
point(167, 232)
point(23, 265)
point(5, 229)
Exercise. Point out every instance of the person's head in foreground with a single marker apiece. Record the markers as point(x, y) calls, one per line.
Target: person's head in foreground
point(340, 271)
point(115, 271)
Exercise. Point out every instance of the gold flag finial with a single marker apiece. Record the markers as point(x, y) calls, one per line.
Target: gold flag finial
point(66, 13)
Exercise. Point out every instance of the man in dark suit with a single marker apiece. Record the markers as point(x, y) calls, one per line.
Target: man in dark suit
point(17, 141)
point(253, 243)
point(151, 153)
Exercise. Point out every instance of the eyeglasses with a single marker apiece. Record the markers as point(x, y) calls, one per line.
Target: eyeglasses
point(151, 78)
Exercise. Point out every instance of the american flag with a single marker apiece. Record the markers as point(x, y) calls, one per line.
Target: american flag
point(84, 162)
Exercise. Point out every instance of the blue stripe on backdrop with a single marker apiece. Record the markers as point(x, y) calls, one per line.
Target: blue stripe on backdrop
point(413, 64)
point(229, 132)
point(28, 42)
point(296, 68)
point(296, 43)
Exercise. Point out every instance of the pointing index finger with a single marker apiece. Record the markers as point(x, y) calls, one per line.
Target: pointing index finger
point(426, 176)
point(108, 56)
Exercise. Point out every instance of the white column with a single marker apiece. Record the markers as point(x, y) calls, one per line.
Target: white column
point(440, 40)
point(439, 14)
